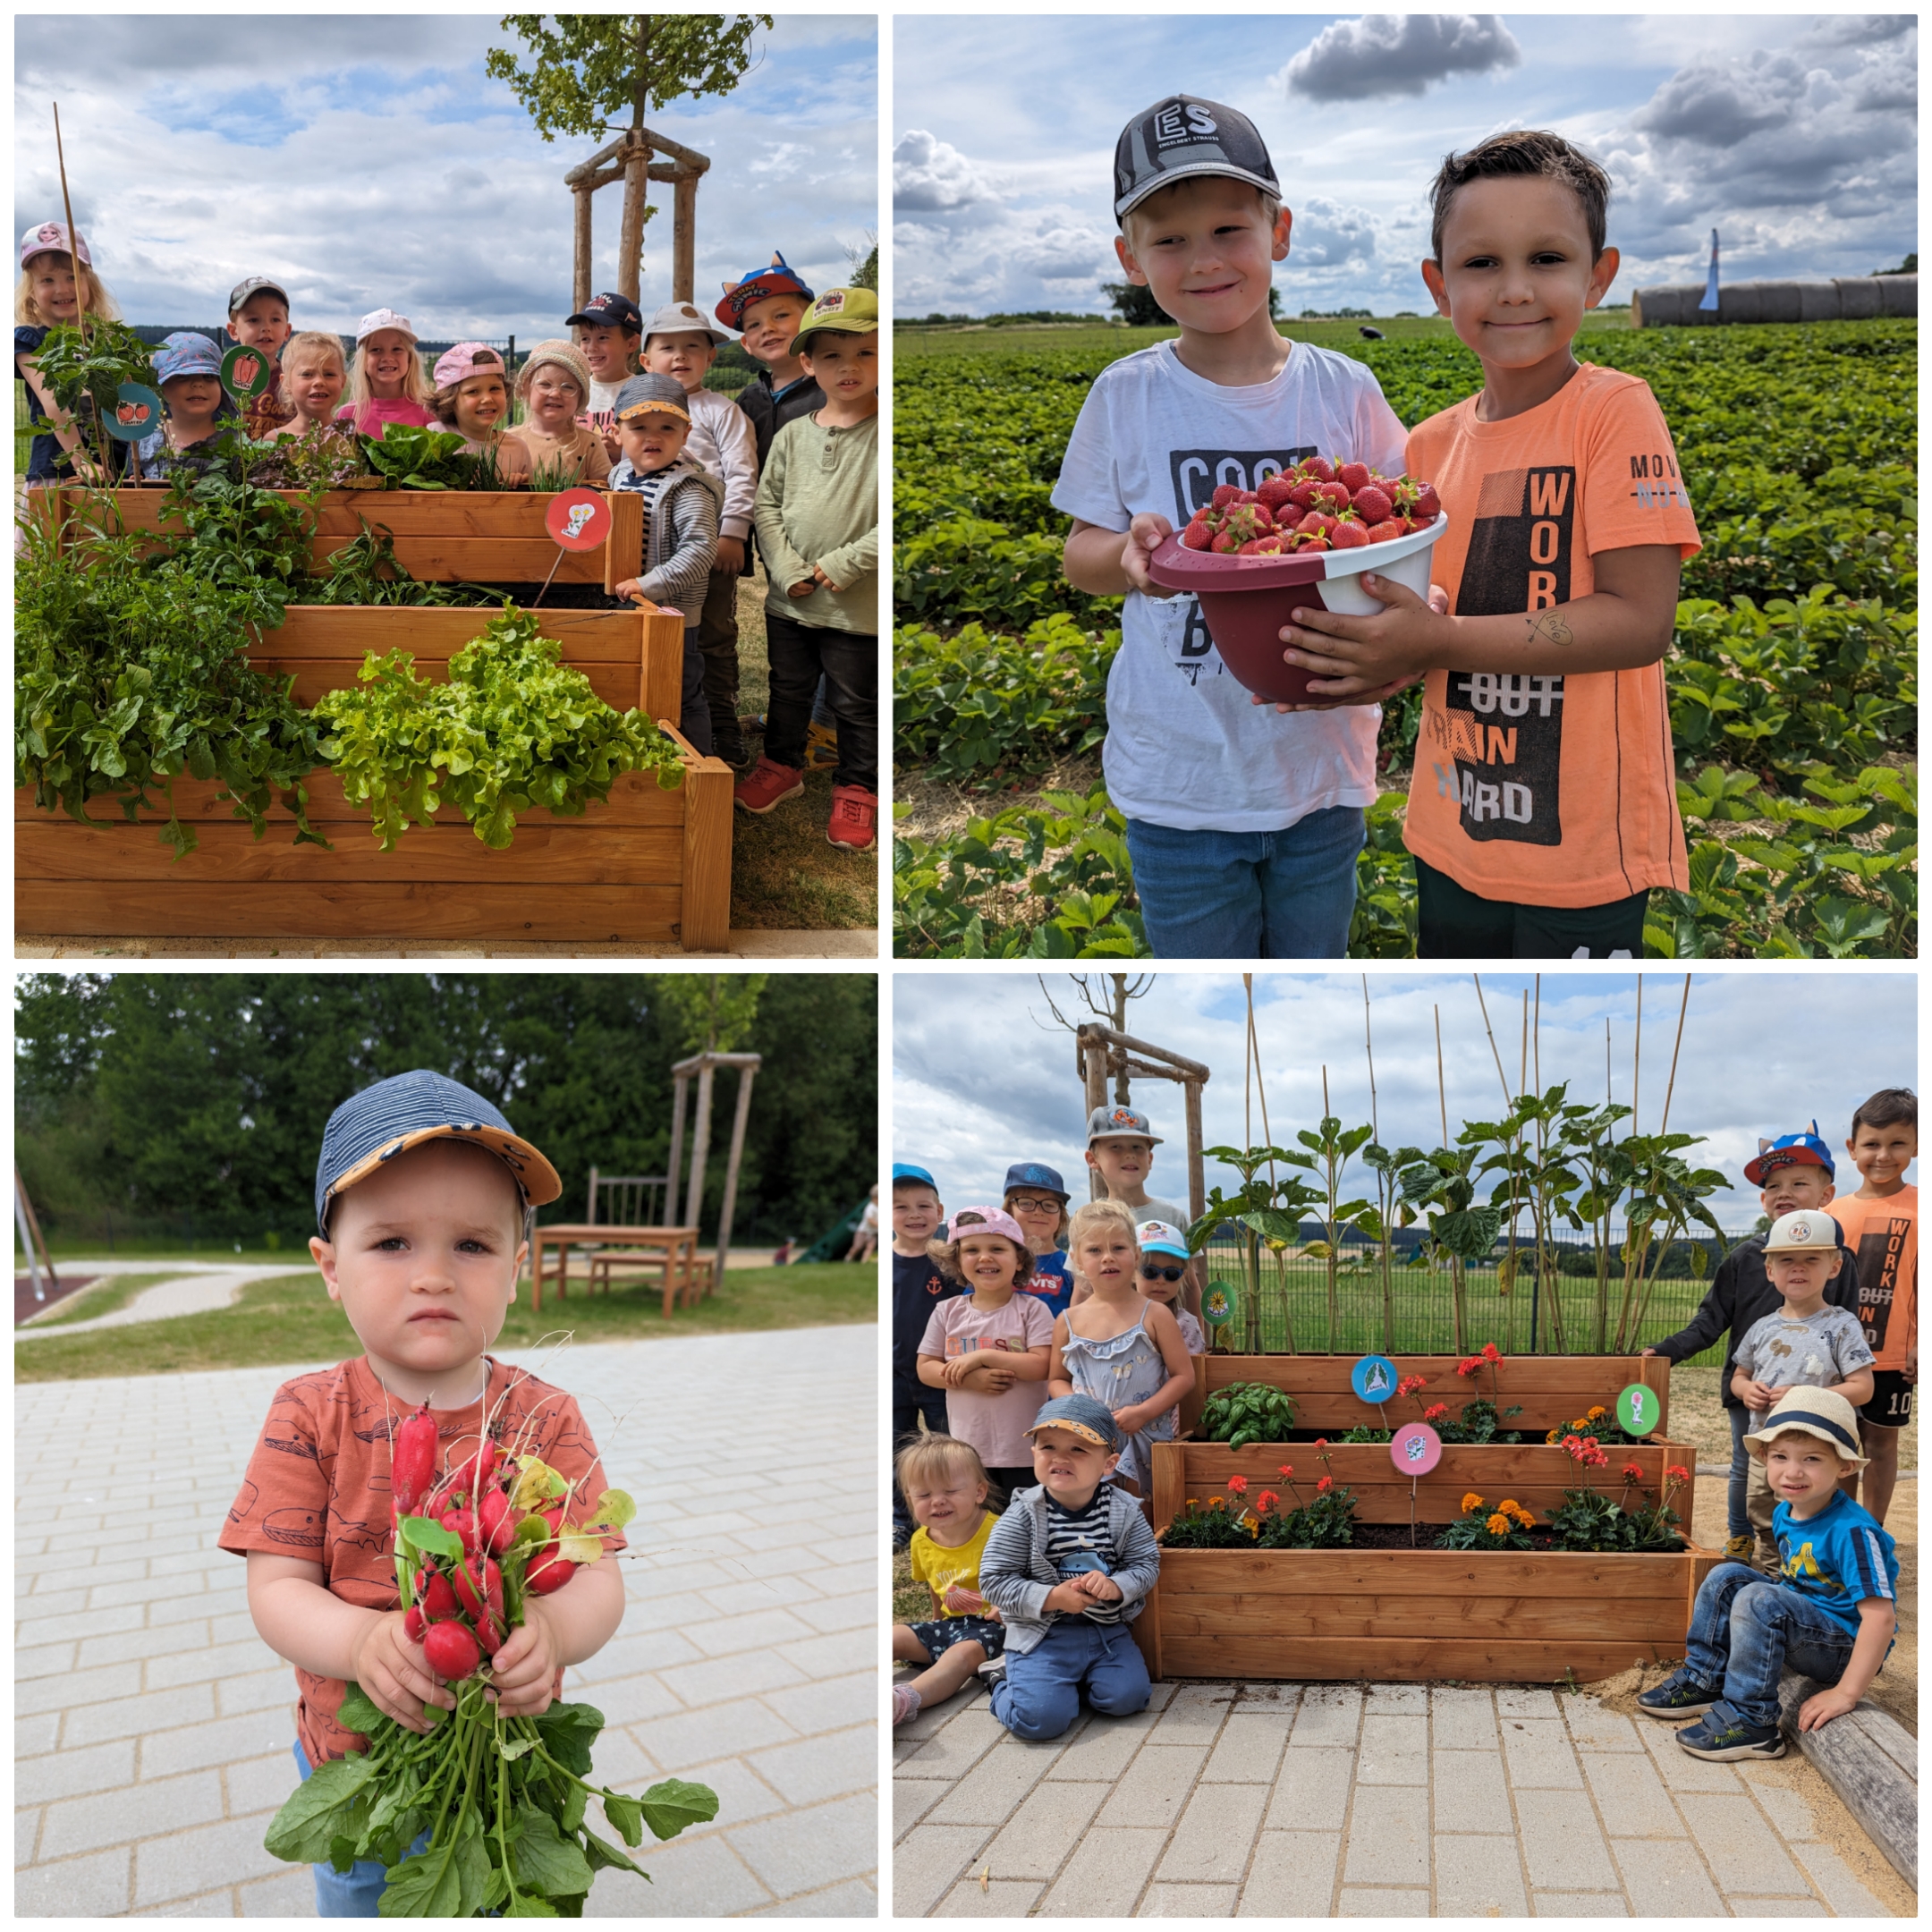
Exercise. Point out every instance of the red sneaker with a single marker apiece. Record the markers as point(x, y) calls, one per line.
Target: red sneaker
point(765, 784)
point(854, 811)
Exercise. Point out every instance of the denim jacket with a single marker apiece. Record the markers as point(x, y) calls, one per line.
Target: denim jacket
point(1015, 1573)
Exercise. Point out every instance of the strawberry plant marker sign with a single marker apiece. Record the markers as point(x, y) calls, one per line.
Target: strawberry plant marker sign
point(245, 371)
point(137, 412)
point(1637, 1409)
point(1373, 1378)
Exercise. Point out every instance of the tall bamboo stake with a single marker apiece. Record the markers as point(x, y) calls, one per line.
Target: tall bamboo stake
point(1670, 1085)
point(1636, 1079)
point(81, 314)
point(1490, 1031)
point(1385, 1192)
point(1455, 1260)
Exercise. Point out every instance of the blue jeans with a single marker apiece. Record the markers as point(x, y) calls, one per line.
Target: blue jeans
point(1737, 1522)
point(357, 1893)
point(1744, 1629)
point(1286, 894)
point(1039, 1695)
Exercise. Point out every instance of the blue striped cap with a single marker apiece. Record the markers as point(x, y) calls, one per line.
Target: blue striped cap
point(402, 1112)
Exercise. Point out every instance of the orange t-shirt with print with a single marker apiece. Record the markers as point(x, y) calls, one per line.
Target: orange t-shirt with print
point(1555, 791)
point(317, 1488)
point(1883, 1233)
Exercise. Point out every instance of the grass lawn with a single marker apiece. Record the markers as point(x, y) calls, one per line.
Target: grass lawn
point(104, 1298)
point(291, 1319)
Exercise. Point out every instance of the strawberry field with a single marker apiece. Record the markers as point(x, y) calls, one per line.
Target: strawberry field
point(1792, 678)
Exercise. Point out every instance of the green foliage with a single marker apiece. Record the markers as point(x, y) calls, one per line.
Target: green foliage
point(1326, 1523)
point(95, 364)
point(365, 571)
point(978, 706)
point(1247, 1412)
point(1473, 1531)
point(1587, 1520)
point(407, 457)
point(511, 730)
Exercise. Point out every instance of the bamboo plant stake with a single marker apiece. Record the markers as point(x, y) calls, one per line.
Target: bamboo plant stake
point(1649, 1287)
point(81, 314)
point(1455, 1260)
point(1507, 1275)
point(1383, 1194)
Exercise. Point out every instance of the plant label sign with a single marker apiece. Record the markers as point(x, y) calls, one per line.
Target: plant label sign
point(136, 413)
point(1217, 1305)
point(1373, 1378)
point(1638, 1410)
point(578, 519)
point(245, 372)
point(1415, 1449)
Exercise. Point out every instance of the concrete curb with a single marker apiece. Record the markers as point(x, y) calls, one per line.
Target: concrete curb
point(1872, 1762)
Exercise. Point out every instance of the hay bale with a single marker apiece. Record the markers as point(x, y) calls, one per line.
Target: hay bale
point(1898, 294)
point(1859, 297)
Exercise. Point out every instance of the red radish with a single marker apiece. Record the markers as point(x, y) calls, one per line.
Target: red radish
point(477, 1601)
point(499, 1526)
point(451, 1650)
point(463, 1523)
point(479, 1468)
point(492, 1635)
point(412, 1458)
point(439, 1601)
point(548, 1572)
point(414, 1623)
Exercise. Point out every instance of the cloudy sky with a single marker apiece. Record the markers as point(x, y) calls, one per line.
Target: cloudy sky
point(1795, 136)
point(978, 1084)
point(367, 161)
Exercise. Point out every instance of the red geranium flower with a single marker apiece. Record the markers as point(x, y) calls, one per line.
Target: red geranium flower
point(1287, 1468)
point(1266, 1500)
point(1632, 1473)
point(1677, 1472)
point(1324, 1486)
point(1321, 1442)
point(1409, 1384)
point(1471, 1366)
point(1237, 1486)
point(1491, 1352)
point(1436, 1412)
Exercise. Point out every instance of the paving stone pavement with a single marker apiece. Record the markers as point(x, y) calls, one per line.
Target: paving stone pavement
point(1347, 1801)
point(153, 1726)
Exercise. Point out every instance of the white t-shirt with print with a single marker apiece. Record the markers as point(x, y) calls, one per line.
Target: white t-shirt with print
point(1185, 746)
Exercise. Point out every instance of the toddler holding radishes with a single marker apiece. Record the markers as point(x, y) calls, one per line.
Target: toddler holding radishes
point(423, 1197)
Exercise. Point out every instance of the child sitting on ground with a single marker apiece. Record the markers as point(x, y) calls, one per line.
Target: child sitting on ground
point(1124, 1351)
point(1794, 1172)
point(988, 1349)
point(554, 387)
point(472, 398)
point(52, 294)
point(682, 344)
point(918, 1215)
point(680, 513)
point(188, 373)
point(609, 327)
point(1036, 1198)
point(1880, 1225)
point(258, 316)
point(423, 1199)
point(945, 1484)
point(1829, 1614)
point(1802, 1344)
point(1068, 1567)
point(385, 382)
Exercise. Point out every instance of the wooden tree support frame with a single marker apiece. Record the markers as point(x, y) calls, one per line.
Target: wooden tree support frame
point(703, 1066)
point(630, 159)
point(1106, 1054)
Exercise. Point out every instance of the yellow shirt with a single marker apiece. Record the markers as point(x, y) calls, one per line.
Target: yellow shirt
point(940, 1568)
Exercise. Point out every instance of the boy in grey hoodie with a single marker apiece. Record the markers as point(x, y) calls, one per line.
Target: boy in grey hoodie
point(680, 524)
point(1068, 1567)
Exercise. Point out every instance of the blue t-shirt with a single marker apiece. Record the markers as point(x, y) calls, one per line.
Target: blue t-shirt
point(917, 1286)
point(1051, 1282)
point(1837, 1559)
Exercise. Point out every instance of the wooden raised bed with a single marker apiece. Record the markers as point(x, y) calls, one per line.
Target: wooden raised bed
point(1551, 1388)
point(1407, 1615)
point(441, 536)
point(646, 866)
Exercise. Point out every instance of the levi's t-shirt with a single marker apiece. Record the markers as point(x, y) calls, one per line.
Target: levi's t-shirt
point(1884, 1234)
point(1185, 746)
point(317, 1488)
point(1549, 789)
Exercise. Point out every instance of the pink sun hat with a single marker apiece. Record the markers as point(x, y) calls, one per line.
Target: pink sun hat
point(467, 358)
point(985, 1220)
point(50, 238)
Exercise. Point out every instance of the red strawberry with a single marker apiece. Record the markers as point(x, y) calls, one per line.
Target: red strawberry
point(1226, 544)
point(1226, 494)
point(1333, 496)
point(1316, 523)
point(1355, 475)
point(1197, 535)
point(1372, 504)
point(1276, 491)
point(1269, 545)
point(1388, 530)
point(1302, 496)
point(1428, 505)
point(1347, 536)
point(1305, 543)
point(1319, 468)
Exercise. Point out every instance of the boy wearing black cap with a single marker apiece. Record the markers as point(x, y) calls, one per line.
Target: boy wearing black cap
point(610, 327)
point(1794, 1171)
point(423, 1197)
point(258, 316)
point(1243, 824)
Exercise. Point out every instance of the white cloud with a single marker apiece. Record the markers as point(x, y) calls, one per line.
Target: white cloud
point(1381, 55)
point(931, 175)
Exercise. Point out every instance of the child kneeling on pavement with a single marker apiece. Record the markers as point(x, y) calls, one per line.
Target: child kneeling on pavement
point(1830, 1616)
point(1068, 1567)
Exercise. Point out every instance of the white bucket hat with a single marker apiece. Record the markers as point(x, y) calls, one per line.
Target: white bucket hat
point(1811, 1411)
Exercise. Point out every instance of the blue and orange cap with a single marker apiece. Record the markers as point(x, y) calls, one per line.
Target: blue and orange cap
point(778, 279)
point(1790, 1150)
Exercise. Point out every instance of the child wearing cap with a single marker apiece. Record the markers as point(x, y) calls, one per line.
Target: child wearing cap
point(680, 344)
point(917, 1214)
point(610, 327)
point(386, 381)
point(988, 1349)
point(1068, 1567)
point(681, 522)
point(258, 316)
point(1036, 1198)
point(472, 397)
point(944, 1483)
point(818, 524)
point(54, 292)
point(188, 373)
point(554, 387)
point(1829, 1614)
point(1794, 1171)
point(768, 306)
point(1120, 1148)
point(1880, 1225)
point(1543, 805)
point(1803, 1345)
point(423, 1194)
point(1243, 824)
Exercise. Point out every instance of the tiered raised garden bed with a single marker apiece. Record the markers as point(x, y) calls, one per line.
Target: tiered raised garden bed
point(1419, 1615)
point(644, 866)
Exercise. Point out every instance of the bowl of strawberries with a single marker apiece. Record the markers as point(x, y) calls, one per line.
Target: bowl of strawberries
point(1300, 541)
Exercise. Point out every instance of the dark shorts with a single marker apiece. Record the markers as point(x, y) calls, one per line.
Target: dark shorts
point(1454, 923)
point(1890, 1406)
point(939, 1636)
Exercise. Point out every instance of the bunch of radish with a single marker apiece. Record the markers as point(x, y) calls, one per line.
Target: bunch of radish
point(1316, 505)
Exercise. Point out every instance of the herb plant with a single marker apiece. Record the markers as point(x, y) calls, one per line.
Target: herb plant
point(409, 458)
point(1247, 1412)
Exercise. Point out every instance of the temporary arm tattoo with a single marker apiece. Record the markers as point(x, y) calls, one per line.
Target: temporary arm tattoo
point(1551, 626)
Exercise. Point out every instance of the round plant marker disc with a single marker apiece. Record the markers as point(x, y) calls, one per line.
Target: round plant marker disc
point(136, 413)
point(1373, 1378)
point(246, 371)
point(578, 519)
point(1217, 1304)
point(1415, 1449)
point(1638, 1410)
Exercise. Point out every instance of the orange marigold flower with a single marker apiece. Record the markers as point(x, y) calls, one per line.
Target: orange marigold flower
point(1597, 1414)
point(1324, 1486)
point(1193, 1502)
point(1237, 1486)
point(1471, 1501)
point(1498, 1524)
point(1214, 1502)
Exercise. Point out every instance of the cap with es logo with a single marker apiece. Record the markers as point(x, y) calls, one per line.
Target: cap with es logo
point(1182, 136)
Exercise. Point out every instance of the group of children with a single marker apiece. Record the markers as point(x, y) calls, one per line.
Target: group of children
point(1041, 1354)
point(1542, 808)
point(792, 464)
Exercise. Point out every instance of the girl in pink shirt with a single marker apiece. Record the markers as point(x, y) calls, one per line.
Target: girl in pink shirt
point(387, 384)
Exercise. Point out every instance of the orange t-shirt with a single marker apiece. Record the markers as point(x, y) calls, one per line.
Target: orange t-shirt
point(1549, 791)
point(317, 1487)
point(1884, 1234)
